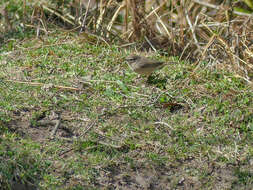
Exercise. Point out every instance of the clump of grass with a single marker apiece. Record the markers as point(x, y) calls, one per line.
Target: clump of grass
point(21, 161)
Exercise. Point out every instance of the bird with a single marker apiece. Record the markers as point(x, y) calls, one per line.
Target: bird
point(143, 65)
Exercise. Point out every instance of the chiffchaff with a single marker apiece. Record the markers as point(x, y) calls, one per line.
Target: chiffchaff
point(143, 65)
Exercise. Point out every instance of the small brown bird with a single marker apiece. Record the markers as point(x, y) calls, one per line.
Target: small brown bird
point(143, 65)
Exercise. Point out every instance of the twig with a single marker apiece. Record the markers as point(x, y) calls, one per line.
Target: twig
point(59, 15)
point(86, 131)
point(204, 51)
point(44, 25)
point(42, 84)
point(84, 19)
point(163, 123)
point(159, 19)
point(191, 27)
point(149, 44)
point(187, 45)
point(115, 15)
point(207, 4)
point(127, 44)
point(105, 81)
point(57, 124)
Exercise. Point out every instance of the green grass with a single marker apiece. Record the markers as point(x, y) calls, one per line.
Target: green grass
point(206, 144)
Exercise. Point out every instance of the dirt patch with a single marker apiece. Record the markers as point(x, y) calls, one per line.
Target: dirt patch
point(145, 176)
point(22, 124)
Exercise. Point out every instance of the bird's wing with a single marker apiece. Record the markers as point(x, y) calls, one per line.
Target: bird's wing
point(151, 64)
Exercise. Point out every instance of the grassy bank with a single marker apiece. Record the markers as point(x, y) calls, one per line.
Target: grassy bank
point(190, 126)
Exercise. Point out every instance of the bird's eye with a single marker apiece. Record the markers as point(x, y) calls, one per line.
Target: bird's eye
point(132, 59)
